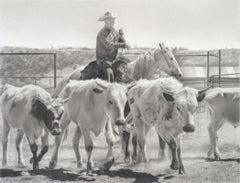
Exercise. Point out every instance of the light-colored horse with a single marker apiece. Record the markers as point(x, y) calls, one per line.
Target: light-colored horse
point(154, 63)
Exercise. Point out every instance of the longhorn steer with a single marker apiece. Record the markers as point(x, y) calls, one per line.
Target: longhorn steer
point(169, 107)
point(92, 104)
point(223, 105)
point(31, 110)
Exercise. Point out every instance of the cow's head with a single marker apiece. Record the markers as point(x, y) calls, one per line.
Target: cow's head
point(171, 67)
point(48, 111)
point(184, 104)
point(115, 98)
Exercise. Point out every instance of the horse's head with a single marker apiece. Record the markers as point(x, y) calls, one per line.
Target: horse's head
point(167, 61)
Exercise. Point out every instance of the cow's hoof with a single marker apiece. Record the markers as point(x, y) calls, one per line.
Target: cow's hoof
point(52, 165)
point(4, 162)
point(127, 160)
point(209, 153)
point(181, 170)
point(80, 165)
point(31, 160)
point(134, 159)
point(108, 164)
point(21, 165)
point(174, 166)
point(35, 166)
point(89, 168)
point(217, 155)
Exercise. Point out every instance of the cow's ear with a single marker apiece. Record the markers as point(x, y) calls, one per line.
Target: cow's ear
point(200, 97)
point(38, 108)
point(97, 90)
point(168, 97)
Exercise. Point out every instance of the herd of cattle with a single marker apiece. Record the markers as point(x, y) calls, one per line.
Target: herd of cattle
point(98, 106)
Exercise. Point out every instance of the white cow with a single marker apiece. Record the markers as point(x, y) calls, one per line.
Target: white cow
point(224, 107)
point(31, 110)
point(92, 103)
point(169, 107)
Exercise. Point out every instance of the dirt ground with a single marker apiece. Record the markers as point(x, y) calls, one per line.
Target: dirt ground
point(194, 149)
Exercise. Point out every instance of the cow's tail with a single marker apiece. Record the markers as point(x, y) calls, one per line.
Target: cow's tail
point(65, 133)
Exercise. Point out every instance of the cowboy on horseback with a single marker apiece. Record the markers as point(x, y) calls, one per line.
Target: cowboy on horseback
point(108, 42)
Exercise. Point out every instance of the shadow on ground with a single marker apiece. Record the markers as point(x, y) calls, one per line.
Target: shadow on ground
point(10, 173)
point(223, 160)
point(66, 175)
point(127, 173)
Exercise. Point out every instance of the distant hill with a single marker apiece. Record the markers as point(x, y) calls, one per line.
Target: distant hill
point(69, 58)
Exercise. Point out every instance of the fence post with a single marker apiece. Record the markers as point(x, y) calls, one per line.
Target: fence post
point(55, 69)
point(208, 57)
point(219, 68)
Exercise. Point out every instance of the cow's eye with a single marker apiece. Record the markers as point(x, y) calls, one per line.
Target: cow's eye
point(171, 58)
point(110, 102)
point(178, 109)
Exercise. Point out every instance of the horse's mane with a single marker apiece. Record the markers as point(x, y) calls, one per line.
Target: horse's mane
point(143, 65)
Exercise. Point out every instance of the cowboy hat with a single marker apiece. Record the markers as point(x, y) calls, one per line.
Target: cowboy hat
point(107, 15)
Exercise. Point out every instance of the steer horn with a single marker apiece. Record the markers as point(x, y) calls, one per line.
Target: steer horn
point(131, 85)
point(104, 87)
point(204, 90)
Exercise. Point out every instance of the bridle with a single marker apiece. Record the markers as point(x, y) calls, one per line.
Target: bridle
point(165, 58)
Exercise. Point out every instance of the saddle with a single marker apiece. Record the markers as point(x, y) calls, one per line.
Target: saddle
point(106, 70)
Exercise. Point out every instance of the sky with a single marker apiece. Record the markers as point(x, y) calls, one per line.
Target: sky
point(194, 24)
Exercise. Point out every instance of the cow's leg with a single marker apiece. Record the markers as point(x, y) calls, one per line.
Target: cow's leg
point(181, 167)
point(45, 144)
point(162, 149)
point(134, 143)
point(216, 124)
point(170, 140)
point(125, 146)
point(75, 143)
point(109, 138)
point(64, 122)
point(89, 147)
point(6, 129)
point(34, 148)
point(141, 130)
point(18, 143)
point(125, 137)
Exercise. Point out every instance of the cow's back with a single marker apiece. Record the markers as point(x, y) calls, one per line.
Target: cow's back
point(84, 106)
point(16, 103)
point(147, 97)
point(224, 102)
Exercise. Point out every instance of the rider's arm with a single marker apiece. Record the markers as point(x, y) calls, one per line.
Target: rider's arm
point(109, 41)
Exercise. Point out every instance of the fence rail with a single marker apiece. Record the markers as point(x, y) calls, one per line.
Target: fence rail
point(54, 54)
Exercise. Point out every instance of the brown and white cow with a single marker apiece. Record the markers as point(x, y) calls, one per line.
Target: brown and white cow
point(223, 104)
point(169, 107)
point(32, 111)
point(92, 104)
